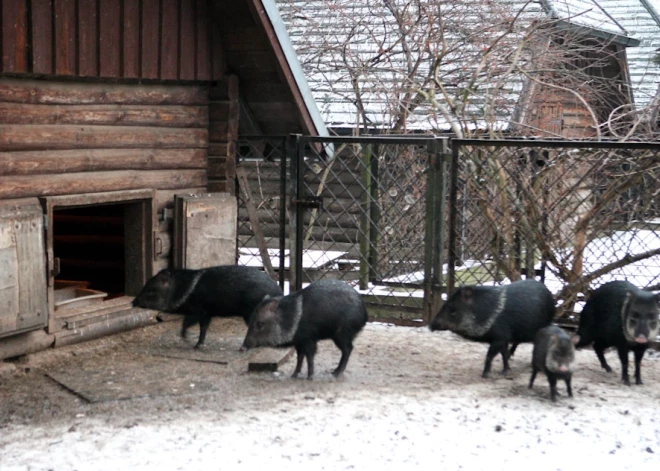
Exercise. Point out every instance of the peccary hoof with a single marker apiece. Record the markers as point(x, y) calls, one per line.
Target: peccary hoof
point(639, 382)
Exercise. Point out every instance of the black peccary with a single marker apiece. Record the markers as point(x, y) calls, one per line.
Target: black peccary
point(554, 355)
point(326, 309)
point(199, 295)
point(498, 315)
point(618, 314)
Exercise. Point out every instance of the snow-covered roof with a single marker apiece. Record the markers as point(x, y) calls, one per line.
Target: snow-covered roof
point(336, 38)
point(641, 20)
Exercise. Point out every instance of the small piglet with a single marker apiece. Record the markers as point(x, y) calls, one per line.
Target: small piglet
point(554, 355)
point(326, 309)
point(199, 295)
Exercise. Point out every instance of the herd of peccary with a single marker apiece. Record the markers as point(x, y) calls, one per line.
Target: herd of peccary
point(618, 314)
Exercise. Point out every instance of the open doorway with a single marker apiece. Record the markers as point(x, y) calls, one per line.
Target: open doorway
point(99, 251)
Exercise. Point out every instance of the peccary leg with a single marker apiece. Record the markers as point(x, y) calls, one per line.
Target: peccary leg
point(505, 358)
point(346, 349)
point(639, 353)
point(600, 353)
point(623, 356)
point(300, 356)
point(513, 349)
point(310, 352)
point(188, 321)
point(552, 379)
point(531, 380)
point(569, 389)
point(203, 327)
point(493, 350)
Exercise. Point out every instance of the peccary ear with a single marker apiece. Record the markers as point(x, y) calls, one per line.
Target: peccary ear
point(164, 277)
point(269, 310)
point(467, 294)
point(575, 339)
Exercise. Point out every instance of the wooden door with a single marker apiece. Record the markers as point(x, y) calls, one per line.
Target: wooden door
point(205, 230)
point(23, 290)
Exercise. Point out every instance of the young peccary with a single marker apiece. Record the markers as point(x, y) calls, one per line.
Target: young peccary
point(199, 295)
point(553, 355)
point(498, 315)
point(618, 314)
point(326, 309)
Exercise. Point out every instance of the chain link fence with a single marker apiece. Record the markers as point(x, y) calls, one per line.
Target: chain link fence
point(262, 226)
point(574, 214)
point(365, 219)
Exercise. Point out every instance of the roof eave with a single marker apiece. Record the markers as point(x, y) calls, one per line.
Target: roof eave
point(618, 39)
point(270, 7)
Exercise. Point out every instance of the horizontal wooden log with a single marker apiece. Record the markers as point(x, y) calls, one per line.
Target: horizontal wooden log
point(227, 149)
point(52, 137)
point(95, 182)
point(39, 92)
point(217, 185)
point(63, 161)
point(223, 131)
point(23, 344)
point(124, 115)
point(224, 110)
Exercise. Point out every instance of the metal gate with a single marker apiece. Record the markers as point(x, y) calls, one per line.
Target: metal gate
point(368, 211)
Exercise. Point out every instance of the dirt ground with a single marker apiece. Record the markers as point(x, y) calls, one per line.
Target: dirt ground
point(410, 399)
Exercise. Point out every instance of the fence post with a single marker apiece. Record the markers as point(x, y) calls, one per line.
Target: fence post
point(453, 216)
point(440, 239)
point(365, 205)
point(285, 150)
point(297, 160)
point(374, 215)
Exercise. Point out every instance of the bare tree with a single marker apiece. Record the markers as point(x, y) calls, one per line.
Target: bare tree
point(486, 68)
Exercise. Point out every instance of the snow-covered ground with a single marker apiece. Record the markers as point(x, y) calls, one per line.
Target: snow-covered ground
point(410, 399)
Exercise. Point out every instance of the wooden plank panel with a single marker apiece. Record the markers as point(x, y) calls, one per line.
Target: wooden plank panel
point(150, 38)
point(169, 51)
point(92, 160)
point(42, 36)
point(131, 39)
point(203, 58)
point(33, 91)
point(187, 42)
point(125, 115)
point(110, 38)
point(88, 38)
point(14, 36)
point(218, 65)
point(65, 37)
point(42, 137)
point(96, 182)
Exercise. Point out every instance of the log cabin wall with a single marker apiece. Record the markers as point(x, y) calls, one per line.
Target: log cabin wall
point(109, 95)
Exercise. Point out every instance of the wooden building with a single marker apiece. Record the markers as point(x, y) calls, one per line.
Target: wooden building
point(108, 109)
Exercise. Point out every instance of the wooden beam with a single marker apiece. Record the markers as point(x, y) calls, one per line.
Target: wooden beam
point(92, 160)
point(19, 186)
point(54, 93)
point(44, 137)
point(124, 115)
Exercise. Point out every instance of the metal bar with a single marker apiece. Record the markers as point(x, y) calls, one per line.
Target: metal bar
point(369, 140)
point(284, 150)
point(453, 217)
point(557, 143)
point(299, 165)
point(440, 214)
point(374, 216)
point(429, 232)
point(365, 204)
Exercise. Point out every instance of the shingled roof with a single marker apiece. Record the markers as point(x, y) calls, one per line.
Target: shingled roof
point(320, 36)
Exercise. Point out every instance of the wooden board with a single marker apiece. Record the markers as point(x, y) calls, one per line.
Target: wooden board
point(204, 230)
point(23, 303)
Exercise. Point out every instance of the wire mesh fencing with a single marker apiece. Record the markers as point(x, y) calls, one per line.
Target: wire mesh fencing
point(261, 174)
point(574, 214)
point(365, 218)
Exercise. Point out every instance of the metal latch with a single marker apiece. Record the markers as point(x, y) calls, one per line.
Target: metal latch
point(310, 202)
